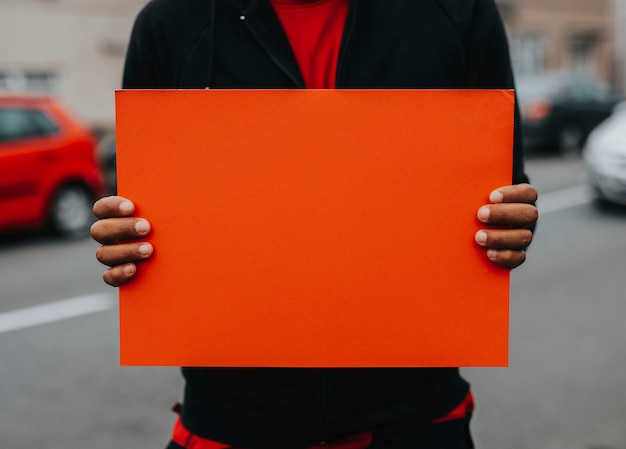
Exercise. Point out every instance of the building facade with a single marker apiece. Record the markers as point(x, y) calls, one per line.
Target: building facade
point(574, 35)
point(75, 48)
point(620, 46)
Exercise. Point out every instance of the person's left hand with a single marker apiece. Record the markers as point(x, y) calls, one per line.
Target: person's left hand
point(509, 215)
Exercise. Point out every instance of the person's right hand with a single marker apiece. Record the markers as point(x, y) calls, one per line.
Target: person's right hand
point(120, 235)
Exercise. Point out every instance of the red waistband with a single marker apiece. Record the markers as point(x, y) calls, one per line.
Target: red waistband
point(461, 411)
point(184, 438)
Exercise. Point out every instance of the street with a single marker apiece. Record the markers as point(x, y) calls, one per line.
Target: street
point(61, 385)
point(565, 386)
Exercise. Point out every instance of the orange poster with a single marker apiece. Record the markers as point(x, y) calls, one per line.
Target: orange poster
point(314, 228)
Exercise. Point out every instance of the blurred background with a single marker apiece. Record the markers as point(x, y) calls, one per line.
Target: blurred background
point(60, 382)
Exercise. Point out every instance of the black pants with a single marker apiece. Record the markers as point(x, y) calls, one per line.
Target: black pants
point(453, 434)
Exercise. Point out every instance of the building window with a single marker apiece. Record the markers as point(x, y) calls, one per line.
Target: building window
point(41, 82)
point(528, 53)
point(581, 47)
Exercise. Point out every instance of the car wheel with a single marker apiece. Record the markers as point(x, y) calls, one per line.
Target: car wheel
point(571, 140)
point(71, 213)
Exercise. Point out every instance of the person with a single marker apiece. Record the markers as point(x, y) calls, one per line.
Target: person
point(383, 44)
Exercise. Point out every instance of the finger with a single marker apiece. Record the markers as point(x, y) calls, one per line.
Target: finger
point(120, 274)
point(504, 238)
point(113, 206)
point(112, 230)
point(519, 193)
point(507, 258)
point(513, 215)
point(113, 255)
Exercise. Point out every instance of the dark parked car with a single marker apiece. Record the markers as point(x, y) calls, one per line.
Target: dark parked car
point(559, 110)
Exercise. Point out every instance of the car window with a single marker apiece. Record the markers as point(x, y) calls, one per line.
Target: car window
point(584, 91)
point(19, 123)
point(538, 87)
point(44, 124)
point(600, 93)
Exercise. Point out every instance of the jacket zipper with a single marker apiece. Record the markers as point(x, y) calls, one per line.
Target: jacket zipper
point(268, 42)
point(345, 42)
point(324, 402)
point(325, 387)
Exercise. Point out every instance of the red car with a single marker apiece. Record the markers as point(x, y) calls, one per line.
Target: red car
point(50, 172)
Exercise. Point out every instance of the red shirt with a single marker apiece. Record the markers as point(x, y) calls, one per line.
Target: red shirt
point(314, 29)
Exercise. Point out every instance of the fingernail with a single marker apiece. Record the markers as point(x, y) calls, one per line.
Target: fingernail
point(483, 213)
point(481, 237)
point(145, 249)
point(496, 196)
point(142, 226)
point(129, 269)
point(126, 207)
point(492, 254)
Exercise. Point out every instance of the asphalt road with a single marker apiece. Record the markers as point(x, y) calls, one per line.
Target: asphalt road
point(566, 383)
point(61, 386)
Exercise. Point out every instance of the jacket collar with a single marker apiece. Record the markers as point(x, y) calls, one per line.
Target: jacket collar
point(261, 20)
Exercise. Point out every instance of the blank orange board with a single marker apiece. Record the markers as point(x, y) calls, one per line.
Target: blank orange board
point(314, 228)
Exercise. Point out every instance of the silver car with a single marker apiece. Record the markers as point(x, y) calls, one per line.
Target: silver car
point(605, 157)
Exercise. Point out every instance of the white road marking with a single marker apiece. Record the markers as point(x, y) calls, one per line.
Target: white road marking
point(99, 302)
point(55, 311)
point(564, 199)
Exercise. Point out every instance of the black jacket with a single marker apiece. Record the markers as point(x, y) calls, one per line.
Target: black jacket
point(386, 44)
